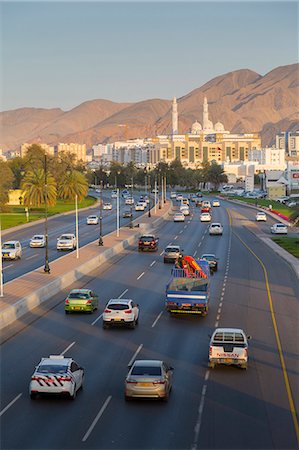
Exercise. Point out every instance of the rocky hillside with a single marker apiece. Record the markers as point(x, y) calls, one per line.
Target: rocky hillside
point(242, 100)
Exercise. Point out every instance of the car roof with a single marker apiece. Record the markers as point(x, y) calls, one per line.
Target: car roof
point(177, 247)
point(10, 242)
point(147, 236)
point(148, 362)
point(209, 254)
point(216, 223)
point(37, 235)
point(79, 290)
point(67, 234)
point(56, 360)
point(229, 330)
point(122, 301)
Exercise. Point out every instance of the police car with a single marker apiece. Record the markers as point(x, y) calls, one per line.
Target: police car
point(56, 375)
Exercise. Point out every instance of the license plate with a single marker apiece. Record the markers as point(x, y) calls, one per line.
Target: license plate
point(117, 319)
point(144, 384)
point(5, 255)
point(146, 243)
point(77, 307)
point(228, 360)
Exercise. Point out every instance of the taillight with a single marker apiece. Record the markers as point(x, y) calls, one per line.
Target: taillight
point(171, 303)
point(64, 379)
point(139, 242)
point(131, 382)
point(107, 311)
point(67, 301)
point(88, 302)
point(34, 378)
point(210, 350)
point(128, 311)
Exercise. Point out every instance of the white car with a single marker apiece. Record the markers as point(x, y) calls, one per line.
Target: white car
point(11, 250)
point(139, 206)
point(121, 312)
point(179, 197)
point(56, 375)
point(205, 217)
point(185, 201)
point(216, 203)
point(107, 206)
point(215, 229)
point(206, 204)
point(172, 194)
point(92, 220)
point(179, 217)
point(38, 240)
point(66, 242)
point(229, 346)
point(129, 201)
point(261, 217)
point(114, 194)
point(185, 210)
point(279, 228)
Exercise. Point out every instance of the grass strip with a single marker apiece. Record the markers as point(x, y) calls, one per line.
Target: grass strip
point(290, 244)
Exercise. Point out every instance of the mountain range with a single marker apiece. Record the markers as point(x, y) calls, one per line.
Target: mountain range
point(243, 100)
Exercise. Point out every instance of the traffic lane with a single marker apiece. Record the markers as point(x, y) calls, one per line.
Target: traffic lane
point(254, 401)
point(33, 258)
point(163, 287)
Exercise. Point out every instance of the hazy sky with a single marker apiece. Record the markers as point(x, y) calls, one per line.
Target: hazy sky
point(60, 54)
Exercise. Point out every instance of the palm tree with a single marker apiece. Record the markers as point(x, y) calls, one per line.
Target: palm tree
point(35, 189)
point(73, 183)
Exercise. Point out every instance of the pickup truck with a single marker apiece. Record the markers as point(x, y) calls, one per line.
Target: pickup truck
point(189, 293)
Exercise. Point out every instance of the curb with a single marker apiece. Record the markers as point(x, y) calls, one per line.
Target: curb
point(292, 260)
point(24, 305)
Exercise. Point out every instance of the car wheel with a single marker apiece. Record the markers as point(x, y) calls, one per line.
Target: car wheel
point(127, 398)
point(66, 312)
point(74, 393)
point(81, 387)
point(216, 268)
point(211, 365)
point(105, 326)
point(33, 395)
point(166, 397)
point(244, 366)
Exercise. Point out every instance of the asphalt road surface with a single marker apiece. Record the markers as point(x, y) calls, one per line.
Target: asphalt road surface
point(223, 408)
point(32, 258)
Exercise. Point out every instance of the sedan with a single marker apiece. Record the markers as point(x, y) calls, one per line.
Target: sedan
point(261, 217)
point(279, 228)
point(139, 206)
point(205, 217)
point(66, 242)
point(80, 300)
point(216, 203)
point(212, 260)
point(92, 220)
point(215, 229)
point(185, 210)
point(38, 240)
point(127, 214)
point(149, 379)
point(172, 253)
point(179, 217)
point(107, 206)
point(11, 250)
point(121, 312)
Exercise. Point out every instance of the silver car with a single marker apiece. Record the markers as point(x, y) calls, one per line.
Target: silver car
point(215, 229)
point(66, 242)
point(171, 253)
point(11, 250)
point(38, 240)
point(92, 220)
point(149, 379)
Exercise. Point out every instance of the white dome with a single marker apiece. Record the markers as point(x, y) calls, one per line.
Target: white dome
point(196, 128)
point(219, 126)
point(209, 125)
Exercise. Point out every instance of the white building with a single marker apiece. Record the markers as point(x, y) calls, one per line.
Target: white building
point(270, 157)
point(292, 175)
point(289, 141)
point(133, 150)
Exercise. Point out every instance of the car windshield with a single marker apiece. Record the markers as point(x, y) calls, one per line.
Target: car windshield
point(92, 217)
point(52, 368)
point(280, 226)
point(215, 225)
point(147, 238)
point(38, 238)
point(172, 249)
point(67, 238)
point(118, 306)
point(78, 295)
point(208, 257)
point(146, 371)
point(184, 284)
point(8, 245)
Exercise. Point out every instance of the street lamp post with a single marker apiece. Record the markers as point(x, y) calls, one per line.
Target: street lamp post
point(117, 205)
point(159, 188)
point(101, 243)
point(77, 227)
point(1, 266)
point(165, 189)
point(47, 266)
point(131, 206)
point(149, 196)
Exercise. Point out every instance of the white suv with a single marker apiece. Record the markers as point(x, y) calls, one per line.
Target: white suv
point(66, 242)
point(121, 312)
point(215, 229)
point(11, 250)
point(56, 375)
point(229, 346)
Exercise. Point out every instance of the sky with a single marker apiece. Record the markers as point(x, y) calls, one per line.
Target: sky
point(61, 54)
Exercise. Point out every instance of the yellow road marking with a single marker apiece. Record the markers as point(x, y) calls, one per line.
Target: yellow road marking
point(282, 361)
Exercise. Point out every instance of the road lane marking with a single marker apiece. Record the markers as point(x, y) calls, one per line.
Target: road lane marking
point(10, 404)
point(141, 275)
point(219, 310)
point(199, 417)
point(185, 226)
point(161, 253)
point(6, 267)
point(135, 354)
point(98, 416)
point(30, 257)
point(151, 265)
point(70, 346)
point(157, 318)
point(199, 244)
point(175, 238)
point(218, 317)
point(216, 324)
point(98, 318)
point(181, 232)
point(123, 293)
point(207, 375)
point(278, 342)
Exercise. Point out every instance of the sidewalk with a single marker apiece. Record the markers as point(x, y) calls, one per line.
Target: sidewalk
point(30, 290)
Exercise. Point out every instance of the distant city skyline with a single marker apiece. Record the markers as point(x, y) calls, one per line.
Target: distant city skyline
point(61, 54)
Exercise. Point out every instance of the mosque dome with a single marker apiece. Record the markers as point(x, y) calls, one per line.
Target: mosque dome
point(219, 127)
point(209, 125)
point(196, 128)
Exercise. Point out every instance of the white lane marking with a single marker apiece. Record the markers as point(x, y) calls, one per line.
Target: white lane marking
point(185, 226)
point(216, 324)
point(30, 257)
point(157, 318)
point(10, 404)
point(135, 354)
point(141, 275)
point(123, 293)
point(98, 318)
point(207, 375)
point(199, 244)
point(199, 417)
point(194, 254)
point(219, 310)
point(175, 238)
point(151, 264)
point(181, 232)
point(161, 253)
point(70, 346)
point(218, 317)
point(98, 416)
point(220, 304)
point(6, 267)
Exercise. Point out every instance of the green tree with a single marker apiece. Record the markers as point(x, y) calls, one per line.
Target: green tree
point(216, 175)
point(6, 181)
point(36, 190)
point(17, 165)
point(71, 184)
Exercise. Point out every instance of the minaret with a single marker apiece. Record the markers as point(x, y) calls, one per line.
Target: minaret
point(174, 116)
point(205, 115)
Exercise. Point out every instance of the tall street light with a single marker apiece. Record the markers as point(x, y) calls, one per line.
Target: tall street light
point(117, 204)
point(1, 266)
point(159, 189)
point(149, 196)
point(101, 243)
point(47, 266)
point(131, 206)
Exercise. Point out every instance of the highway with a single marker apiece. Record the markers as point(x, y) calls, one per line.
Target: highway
point(32, 258)
point(224, 408)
